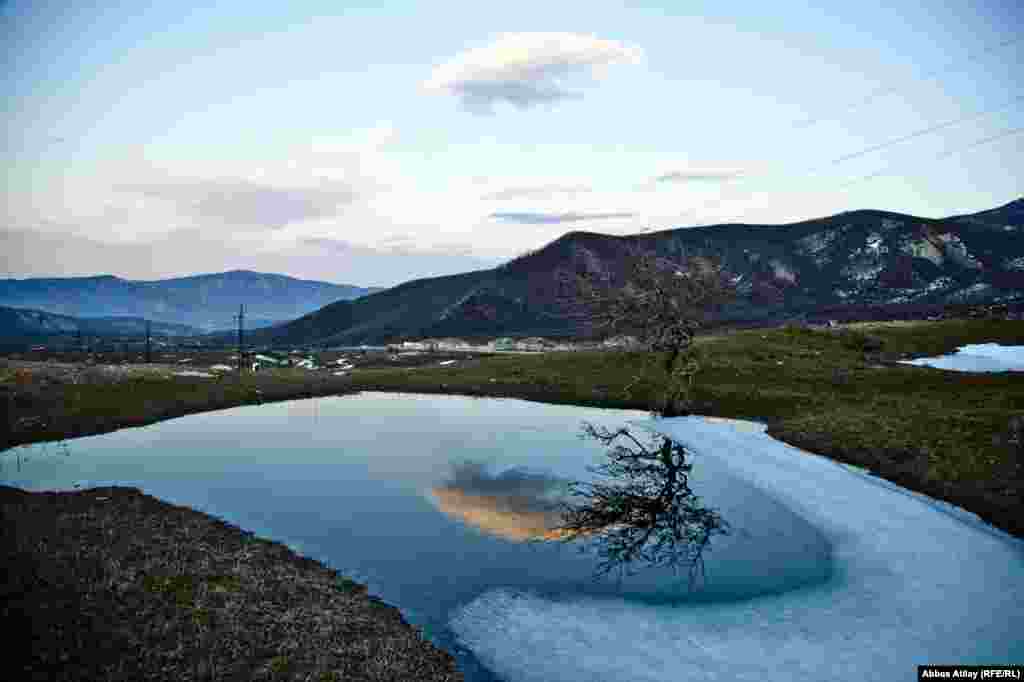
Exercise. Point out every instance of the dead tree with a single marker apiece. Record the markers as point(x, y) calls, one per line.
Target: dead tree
point(660, 302)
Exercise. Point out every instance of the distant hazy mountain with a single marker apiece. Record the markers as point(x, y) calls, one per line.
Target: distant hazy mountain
point(854, 259)
point(207, 302)
point(23, 322)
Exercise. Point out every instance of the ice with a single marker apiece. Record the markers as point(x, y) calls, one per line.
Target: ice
point(978, 357)
point(916, 581)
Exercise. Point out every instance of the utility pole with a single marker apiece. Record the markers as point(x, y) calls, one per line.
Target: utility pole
point(241, 353)
point(149, 342)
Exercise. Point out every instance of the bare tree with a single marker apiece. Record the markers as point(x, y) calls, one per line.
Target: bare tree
point(647, 513)
point(660, 302)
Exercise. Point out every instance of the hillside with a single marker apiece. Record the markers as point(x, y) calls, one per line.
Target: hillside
point(24, 323)
point(854, 260)
point(207, 302)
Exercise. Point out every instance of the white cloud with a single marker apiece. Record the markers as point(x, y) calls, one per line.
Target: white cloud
point(242, 202)
point(536, 192)
point(697, 175)
point(525, 69)
point(538, 218)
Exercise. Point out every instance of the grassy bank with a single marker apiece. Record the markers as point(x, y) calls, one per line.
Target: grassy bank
point(112, 584)
point(839, 393)
point(129, 580)
point(835, 392)
point(53, 401)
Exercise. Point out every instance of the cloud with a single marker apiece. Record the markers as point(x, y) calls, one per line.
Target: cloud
point(526, 490)
point(245, 202)
point(525, 69)
point(536, 192)
point(332, 245)
point(697, 175)
point(34, 253)
point(399, 245)
point(526, 218)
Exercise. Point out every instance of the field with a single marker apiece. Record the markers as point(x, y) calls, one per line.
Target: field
point(220, 613)
point(834, 392)
point(837, 392)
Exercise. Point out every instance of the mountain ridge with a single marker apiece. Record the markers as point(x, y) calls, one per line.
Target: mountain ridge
point(864, 257)
point(29, 323)
point(206, 301)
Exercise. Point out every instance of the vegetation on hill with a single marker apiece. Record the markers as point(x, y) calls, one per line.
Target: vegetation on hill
point(818, 267)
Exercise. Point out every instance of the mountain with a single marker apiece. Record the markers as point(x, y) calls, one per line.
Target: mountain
point(849, 261)
point(22, 323)
point(208, 302)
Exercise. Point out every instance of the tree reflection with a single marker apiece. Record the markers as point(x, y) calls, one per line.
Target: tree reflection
point(643, 513)
point(646, 513)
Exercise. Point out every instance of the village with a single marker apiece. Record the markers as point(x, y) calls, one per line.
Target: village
point(192, 357)
point(443, 351)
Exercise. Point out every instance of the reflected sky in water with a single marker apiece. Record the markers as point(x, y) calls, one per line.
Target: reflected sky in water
point(427, 499)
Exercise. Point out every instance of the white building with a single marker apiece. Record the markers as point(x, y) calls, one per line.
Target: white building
point(267, 360)
point(451, 344)
point(621, 342)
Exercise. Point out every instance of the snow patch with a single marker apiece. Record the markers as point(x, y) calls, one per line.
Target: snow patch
point(977, 357)
point(939, 283)
point(817, 244)
point(970, 292)
point(916, 580)
point(1014, 263)
point(782, 271)
point(875, 245)
point(863, 272)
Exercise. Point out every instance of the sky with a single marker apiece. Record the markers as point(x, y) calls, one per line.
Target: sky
point(372, 145)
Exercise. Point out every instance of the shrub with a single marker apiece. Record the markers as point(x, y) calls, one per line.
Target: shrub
point(861, 342)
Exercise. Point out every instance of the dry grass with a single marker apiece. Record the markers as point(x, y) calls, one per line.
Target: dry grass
point(112, 584)
point(41, 401)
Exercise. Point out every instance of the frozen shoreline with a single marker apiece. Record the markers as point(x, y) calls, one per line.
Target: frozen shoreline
point(977, 357)
point(917, 581)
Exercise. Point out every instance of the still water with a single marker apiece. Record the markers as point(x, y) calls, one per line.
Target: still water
point(403, 492)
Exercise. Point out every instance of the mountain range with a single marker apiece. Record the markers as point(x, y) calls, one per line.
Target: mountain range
point(852, 260)
point(207, 302)
point(25, 323)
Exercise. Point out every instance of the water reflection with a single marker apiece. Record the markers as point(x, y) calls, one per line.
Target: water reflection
point(644, 512)
point(12, 459)
point(517, 504)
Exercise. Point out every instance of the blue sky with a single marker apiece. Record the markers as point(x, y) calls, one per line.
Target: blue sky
point(372, 145)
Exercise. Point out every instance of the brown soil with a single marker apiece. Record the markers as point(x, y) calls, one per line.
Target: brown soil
point(113, 584)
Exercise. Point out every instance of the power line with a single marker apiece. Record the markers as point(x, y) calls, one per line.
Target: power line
point(874, 94)
point(889, 89)
point(863, 152)
point(944, 155)
point(923, 131)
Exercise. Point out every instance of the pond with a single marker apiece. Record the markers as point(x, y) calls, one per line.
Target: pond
point(403, 492)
